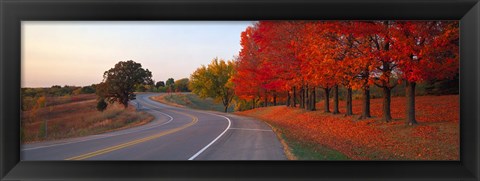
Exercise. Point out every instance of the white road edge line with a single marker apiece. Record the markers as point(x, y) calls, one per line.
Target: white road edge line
point(249, 129)
point(221, 134)
point(105, 136)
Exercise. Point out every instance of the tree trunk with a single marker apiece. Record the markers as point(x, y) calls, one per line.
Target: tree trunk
point(226, 108)
point(265, 101)
point(288, 98)
point(274, 98)
point(302, 98)
point(307, 100)
point(410, 91)
point(313, 100)
point(335, 100)
point(366, 103)
point(349, 102)
point(253, 103)
point(327, 99)
point(125, 102)
point(386, 104)
point(294, 97)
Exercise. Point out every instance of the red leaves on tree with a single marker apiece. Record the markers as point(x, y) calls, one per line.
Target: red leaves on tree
point(426, 49)
point(279, 55)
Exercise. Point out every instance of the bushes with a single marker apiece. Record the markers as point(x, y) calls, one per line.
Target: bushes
point(101, 105)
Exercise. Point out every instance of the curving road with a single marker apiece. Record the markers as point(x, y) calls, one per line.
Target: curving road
point(175, 134)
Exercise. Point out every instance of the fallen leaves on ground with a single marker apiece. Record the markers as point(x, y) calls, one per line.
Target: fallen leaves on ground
point(435, 138)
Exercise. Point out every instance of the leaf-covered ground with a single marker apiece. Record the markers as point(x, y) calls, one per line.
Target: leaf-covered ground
point(435, 138)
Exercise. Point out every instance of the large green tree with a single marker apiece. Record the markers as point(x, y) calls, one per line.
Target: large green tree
point(160, 84)
point(119, 83)
point(214, 81)
point(181, 85)
point(170, 83)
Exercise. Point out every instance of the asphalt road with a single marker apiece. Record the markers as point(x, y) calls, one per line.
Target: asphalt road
point(175, 134)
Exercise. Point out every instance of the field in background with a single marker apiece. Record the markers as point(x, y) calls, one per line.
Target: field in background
point(74, 116)
point(312, 134)
point(191, 101)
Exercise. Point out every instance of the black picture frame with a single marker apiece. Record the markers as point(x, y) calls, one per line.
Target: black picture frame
point(12, 12)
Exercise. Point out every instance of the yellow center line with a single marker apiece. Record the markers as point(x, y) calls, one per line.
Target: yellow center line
point(134, 142)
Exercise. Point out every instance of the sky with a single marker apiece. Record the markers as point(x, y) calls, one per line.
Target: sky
point(78, 53)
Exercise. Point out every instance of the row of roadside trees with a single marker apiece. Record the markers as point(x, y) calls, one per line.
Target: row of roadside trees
point(292, 59)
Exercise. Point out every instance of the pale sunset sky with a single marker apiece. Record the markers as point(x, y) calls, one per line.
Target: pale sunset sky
point(78, 52)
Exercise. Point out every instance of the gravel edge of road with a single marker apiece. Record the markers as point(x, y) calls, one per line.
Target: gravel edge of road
point(286, 149)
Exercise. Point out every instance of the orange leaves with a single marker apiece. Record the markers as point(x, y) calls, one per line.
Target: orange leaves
point(446, 110)
point(349, 53)
point(268, 61)
point(436, 138)
point(337, 132)
point(426, 50)
point(281, 55)
point(425, 131)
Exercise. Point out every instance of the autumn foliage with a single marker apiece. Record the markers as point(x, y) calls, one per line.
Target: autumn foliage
point(291, 60)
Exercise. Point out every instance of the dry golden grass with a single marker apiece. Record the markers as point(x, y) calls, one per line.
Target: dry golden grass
point(77, 117)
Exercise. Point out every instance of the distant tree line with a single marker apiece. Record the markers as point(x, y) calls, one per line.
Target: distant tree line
point(171, 85)
point(58, 90)
point(30, 96)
